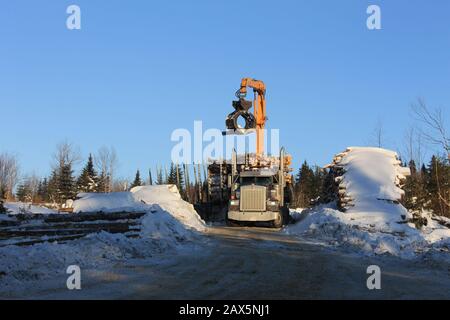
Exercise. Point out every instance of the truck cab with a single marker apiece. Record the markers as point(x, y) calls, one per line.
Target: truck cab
point(258, 196)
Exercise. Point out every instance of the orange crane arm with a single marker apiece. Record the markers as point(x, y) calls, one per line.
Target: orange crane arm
point(256, 85)
point(259, 104)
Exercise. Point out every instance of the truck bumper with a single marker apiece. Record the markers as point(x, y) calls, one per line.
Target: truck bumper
point(253, 216)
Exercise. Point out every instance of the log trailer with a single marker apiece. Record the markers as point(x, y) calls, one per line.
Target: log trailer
point(255, 187)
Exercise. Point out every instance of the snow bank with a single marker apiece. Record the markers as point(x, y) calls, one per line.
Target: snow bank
point(142, 199)
point(374, 222)
point(107, 202)
point(329, 225)
point(168, 198)
point(22, 207)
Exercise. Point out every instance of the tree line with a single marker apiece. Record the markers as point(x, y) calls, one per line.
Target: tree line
point(97, 175)
point(428, 187)
point(62, 184)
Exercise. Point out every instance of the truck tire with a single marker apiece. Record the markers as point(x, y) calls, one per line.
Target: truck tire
point(231, 223)
point(278, 223)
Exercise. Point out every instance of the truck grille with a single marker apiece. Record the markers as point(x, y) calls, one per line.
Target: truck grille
point(253, 198)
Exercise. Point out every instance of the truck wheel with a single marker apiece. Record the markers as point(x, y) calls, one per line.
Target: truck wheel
point(278, 223)
point(231, 223)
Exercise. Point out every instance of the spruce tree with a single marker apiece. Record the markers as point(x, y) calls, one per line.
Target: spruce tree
point(88, 180)
point(23, 192)
point(101, 182)
point(67, 185)
point(411, 188)
point(159, 178)
point(305, 188)
point(43, 190)
point(329, 188)
point(53, 187)
point(317, 183)
point(438, 186)
point(137, 180)
point(172, 177)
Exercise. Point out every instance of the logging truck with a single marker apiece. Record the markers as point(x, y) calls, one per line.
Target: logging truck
point(260, 193)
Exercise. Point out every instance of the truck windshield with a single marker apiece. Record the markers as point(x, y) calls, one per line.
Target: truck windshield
point(260, 181)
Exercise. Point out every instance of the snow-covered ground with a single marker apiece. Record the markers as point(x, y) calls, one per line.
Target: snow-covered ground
point(331, 226)
point(167, 226)
point(142, 199)
point(22, 207)
point(376, 224)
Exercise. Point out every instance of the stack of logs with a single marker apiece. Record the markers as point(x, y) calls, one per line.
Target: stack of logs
point(338, 186)
point(29, 229)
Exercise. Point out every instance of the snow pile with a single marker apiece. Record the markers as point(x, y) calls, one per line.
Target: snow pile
point(107, 202)
point(22, 207)
point(142, 199)
point(159, 224)
point(168, 198)
point(374, 221)
point(327, 224)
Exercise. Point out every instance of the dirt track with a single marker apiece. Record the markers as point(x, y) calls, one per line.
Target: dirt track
point(241, 263)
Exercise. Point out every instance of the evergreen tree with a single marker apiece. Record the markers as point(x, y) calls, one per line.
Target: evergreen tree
point(172, 177)
point(53, 187)
point(102, 182)
point(43, 190)
point(137, 180)
point(159, 178)
point(24, 192)
point(423, 171)
point(411, 187)
point(438, 186)
point(317, 183)
point(305, 188)
point(88, 180)
point(329, 188)
point(66, 183)
point(166, 177)
point(176, 176)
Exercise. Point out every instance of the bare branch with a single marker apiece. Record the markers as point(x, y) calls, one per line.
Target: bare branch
point(106, 161)
point(433, 120)
point(9, 174)
point(66, 154)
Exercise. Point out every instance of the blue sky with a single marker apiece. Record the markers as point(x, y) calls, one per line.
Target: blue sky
point(137, 70)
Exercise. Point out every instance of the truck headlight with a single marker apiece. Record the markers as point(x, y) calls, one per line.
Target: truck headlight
point(272, 205)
